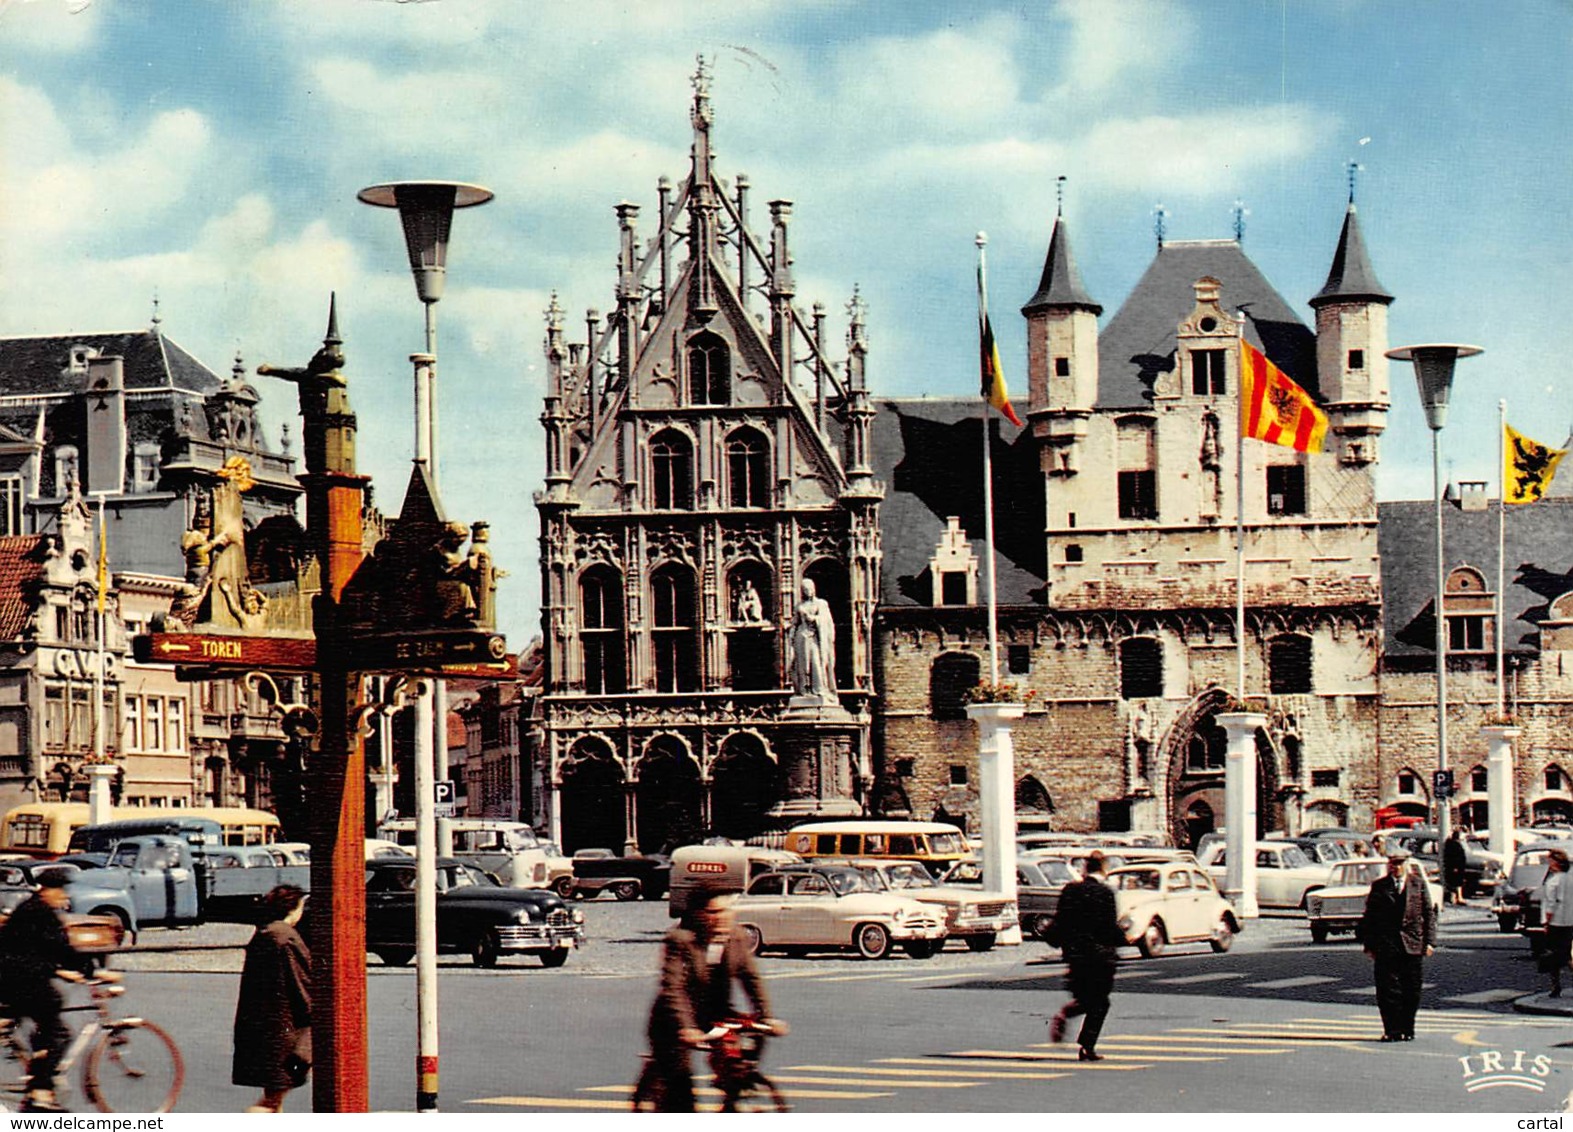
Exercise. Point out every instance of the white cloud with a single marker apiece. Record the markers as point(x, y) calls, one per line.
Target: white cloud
point(1203, 153)
point(1109, 39)
point(49, 26)
point(942, 81)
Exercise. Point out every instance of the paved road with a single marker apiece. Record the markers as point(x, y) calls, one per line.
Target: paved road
point(1278, 1024)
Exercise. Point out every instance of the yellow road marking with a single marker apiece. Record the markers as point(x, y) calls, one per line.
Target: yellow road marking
point(816, 1094)
point(558, 1102)
point(1198, 1047)
point(885, 1082)
point(993, 1056)
point(1300, 1040)
point(990, 1074)
point(1142, 1057)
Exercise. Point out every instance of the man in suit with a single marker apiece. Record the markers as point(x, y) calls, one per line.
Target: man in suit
point(1398, 931)
point(1087, 930)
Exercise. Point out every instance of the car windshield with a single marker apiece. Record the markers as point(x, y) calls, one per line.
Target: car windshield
point(852, 880)
point(908, 876)
point(1056, 872)
point(1362, 872)
point(944, 844)
point(1135, 880)
point(1294, 858)
point(451, 877)
point(1529, 869)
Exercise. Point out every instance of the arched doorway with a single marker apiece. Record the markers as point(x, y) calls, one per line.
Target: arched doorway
point(1196, 749)
point(667, 797)
point(592, 799)
point(746, 782)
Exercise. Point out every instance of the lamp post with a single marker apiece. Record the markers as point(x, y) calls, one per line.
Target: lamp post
point(426, 211)
point(1434, 375)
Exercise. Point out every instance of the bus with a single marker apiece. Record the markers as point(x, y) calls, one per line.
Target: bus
point(935, 845)
point(43, 829)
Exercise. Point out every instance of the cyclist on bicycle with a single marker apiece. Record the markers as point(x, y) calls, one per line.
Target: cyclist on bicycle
point(33, 947)
point(700, 959)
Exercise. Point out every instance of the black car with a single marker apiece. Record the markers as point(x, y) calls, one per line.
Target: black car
point(1482, 869)
point(627, 878)
point(475, 915)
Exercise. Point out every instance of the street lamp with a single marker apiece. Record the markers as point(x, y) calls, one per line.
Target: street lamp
point(426, 211)
point(1434, 375)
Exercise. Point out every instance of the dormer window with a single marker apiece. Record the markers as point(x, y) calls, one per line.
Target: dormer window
point(66, 469)
point(1207, 372)
point(1469, 608)
point(144, 466)
point(954, 568)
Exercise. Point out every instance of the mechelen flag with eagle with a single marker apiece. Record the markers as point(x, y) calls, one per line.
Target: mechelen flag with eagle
point(1527, 466)
point(1273, 408)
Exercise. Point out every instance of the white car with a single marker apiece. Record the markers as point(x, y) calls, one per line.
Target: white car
point(971, 914)
point(1160, 904)
point(1284, 874)
point(835, 906)
point(1340, 906)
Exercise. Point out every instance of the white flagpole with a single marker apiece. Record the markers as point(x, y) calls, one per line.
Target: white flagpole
point(988, 479)
point(1501, 551)
point(1239, 524)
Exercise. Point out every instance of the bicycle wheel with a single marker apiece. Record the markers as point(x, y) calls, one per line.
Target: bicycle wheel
point(133, 1067)
point(761, 1095)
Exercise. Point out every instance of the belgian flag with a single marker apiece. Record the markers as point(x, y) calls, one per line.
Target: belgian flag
point(989, 356)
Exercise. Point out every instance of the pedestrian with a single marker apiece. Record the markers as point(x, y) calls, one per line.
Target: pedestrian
point(33, 946)
point(1453, 857)
point(1398, 932)
point(273, 1015)
point(1087, 931)
point(700, 959)
point(1556, 912)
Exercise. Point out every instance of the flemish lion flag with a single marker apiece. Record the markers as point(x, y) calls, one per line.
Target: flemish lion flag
point(993, 372)
point(1273, 408)
point(1527, 467)
point(103, 561)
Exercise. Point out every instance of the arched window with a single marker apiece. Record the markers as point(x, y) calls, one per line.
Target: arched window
point(952, 676)
point(748, 469)
point(674, 629)
point(1141, 668)
point(709, 370)
point(601, 630)
point(671, 471)
point(1208, 746)
point(1289, 664)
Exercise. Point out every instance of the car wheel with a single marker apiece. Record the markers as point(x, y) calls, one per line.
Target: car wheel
point(1153, 940)
point(563, 886)
point(625, 890)
point(984, 942)
point(1305, 898)
point(1222, 938)
point(922, 948)
point(1040, 927)
point(396, 956)
point(1506, 923)
point(873, 941)
point(486, 949)
point(1318, 933)
point(556, 957)
point(752, 939)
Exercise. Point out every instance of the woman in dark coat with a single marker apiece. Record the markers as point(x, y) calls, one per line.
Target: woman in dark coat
point(273, 1016)
point(1454, 862)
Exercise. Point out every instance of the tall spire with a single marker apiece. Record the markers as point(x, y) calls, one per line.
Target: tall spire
point(1061, 287)
point(1351, 276)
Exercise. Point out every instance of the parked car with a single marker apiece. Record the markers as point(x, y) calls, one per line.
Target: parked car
point(835, 906)
point(1160, 904)
point(475, 915)
point(627, 878)
point(1284, 874)
point(381, 847)
point(1483, 869)
point(1114, 856)
point(1339, 906)
point(971, 914)
point(1517, 901)
point(1038, 885)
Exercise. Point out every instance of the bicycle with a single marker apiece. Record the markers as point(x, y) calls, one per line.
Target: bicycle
point(735, 1046)
point(130, 1065)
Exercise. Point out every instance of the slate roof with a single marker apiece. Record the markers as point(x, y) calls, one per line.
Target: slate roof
point(929, 454)
point(33, 365)
point(1538, 555)
point(1140, 341)
point(1060, 287)
point(1351, 276)
point(19, 568)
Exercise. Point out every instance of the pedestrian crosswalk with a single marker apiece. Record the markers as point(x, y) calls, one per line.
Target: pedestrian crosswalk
point(884, 1082)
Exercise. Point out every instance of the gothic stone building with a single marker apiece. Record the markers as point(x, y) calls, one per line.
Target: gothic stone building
point(1115, 514)
point(705, 460)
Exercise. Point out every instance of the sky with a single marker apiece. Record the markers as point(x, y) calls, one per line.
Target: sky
point(206, 155)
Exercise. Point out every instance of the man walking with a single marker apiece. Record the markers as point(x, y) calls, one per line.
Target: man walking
point(1085, 927)
point(1398, 932)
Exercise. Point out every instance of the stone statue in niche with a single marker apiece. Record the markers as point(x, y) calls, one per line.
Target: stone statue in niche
point(748, 609)
point(814, 647)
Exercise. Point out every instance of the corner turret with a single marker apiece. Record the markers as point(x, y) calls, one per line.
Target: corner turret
point(1351, 347)
point(1062, 356)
